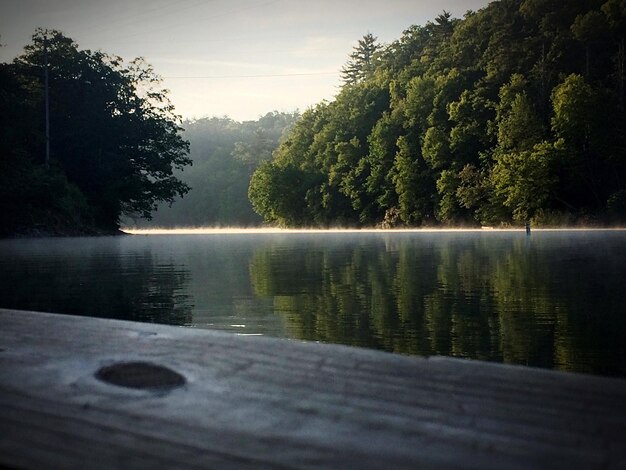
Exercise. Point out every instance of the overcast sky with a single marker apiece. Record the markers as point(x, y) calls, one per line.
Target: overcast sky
point(240, 58)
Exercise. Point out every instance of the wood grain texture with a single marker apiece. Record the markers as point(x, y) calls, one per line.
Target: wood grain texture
point(252, 402)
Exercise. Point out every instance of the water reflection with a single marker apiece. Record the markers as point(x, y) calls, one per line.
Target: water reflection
point(554, 301)
point(94, 277)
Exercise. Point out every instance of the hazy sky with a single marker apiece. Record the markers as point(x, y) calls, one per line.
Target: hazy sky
point(240, 58)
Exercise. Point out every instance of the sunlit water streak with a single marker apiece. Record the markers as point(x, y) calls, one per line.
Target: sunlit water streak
point(276, 230)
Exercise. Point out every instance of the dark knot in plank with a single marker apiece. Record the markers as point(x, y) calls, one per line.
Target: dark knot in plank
point(141, 375)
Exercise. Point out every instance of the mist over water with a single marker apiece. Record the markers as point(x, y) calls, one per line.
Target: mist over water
point(553, 300)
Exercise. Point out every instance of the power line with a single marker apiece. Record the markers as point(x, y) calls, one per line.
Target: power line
point(255, 76)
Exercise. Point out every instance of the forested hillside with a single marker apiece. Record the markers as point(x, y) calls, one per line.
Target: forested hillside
point(224, 153)
point(513, 113)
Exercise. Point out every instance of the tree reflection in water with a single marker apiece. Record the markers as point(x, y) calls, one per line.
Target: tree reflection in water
point(552, 301)
point(95, 278)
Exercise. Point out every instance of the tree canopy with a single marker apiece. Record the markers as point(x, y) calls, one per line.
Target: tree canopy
point(115, 138)
point(224, 153)
point(362, 61)
point(514, 112)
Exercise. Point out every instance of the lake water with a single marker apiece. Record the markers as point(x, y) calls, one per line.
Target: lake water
point(555, 299)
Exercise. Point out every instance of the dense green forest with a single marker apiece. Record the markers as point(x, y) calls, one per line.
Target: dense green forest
point(224, 153)
point(114, 142)
point(513, 113)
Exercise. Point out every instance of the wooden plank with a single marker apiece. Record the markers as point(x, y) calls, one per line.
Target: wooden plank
point(251, 402)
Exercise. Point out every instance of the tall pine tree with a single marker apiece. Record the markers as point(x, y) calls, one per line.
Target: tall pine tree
point(362, 61)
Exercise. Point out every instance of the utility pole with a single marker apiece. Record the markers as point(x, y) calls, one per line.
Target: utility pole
point(47, 99)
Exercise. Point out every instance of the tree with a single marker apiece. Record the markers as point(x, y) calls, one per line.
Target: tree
point(225, 153)
point(444, 125)
point(114, 131)
point(615, 12)
point(519, 125)
point(436, 148)
point(33, 199)
point(278, 193)
point(362, 60)
point(414, 184)
point(589, 29)
point(524, 179)
point(587, 135)
point(449, 207)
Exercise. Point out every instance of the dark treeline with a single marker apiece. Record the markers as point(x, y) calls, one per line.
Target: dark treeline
point(115, 140)
point(513, 113)
point(224, 153)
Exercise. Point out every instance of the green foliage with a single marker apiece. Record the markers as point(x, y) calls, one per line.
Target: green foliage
point(420, 94)
point(39, 200)
point(524, 179)
point(590, 27)
point(573, 102)
point(436, 148)
point(411, 184)
point(33, 199)
point(519, 125)
point(115, 138)
point(276, 192)
point(476, 191)
point(589, 121)
point(327, 145)
point(224, 153)
point(449, 206)
point(362, 61)
point(446, 127)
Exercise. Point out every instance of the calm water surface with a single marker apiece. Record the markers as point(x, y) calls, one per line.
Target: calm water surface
point(554, 300)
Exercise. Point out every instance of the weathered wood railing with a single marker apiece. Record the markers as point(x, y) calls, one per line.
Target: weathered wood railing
point(79, 392)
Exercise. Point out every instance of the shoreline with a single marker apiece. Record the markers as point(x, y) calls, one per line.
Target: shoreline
point(270, 230)
point(63, 234)
point(125, 231)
